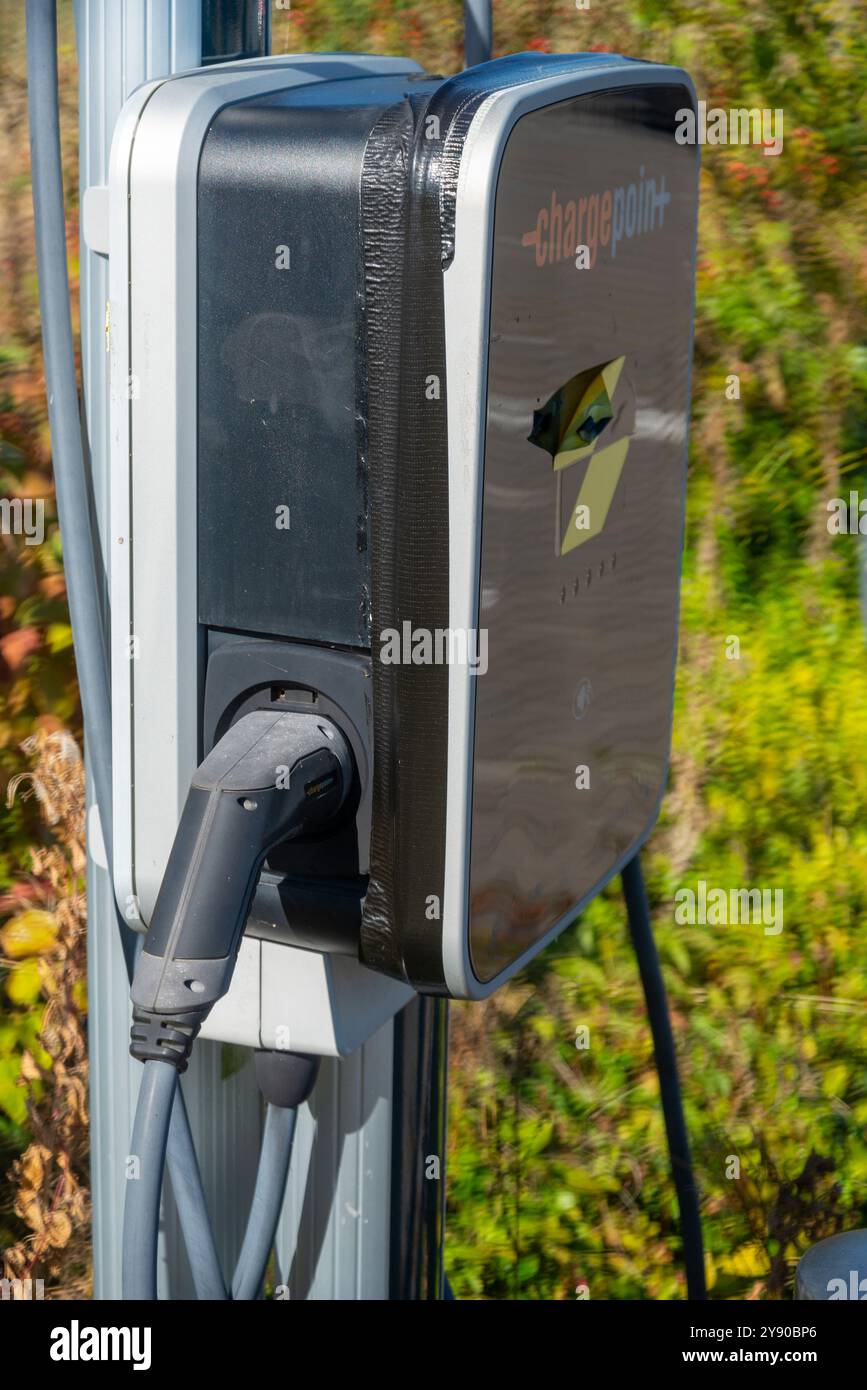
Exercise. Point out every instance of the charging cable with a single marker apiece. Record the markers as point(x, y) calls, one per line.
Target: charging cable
point(641, 931)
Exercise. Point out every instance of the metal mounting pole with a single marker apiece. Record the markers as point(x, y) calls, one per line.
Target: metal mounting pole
point(478, 32)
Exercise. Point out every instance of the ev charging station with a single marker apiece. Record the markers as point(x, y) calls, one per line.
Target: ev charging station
point(389, 458)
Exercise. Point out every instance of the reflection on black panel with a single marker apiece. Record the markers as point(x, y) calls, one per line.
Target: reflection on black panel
point(588, 397)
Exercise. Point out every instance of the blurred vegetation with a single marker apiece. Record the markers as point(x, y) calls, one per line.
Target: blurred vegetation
point(45, 955)
point(557, 1173)
point(37, 671)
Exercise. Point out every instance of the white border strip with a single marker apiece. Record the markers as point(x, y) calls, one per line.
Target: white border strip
point(117, 313)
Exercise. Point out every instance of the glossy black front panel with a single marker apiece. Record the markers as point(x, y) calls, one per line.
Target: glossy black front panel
point(283, 526)
point(588, 398)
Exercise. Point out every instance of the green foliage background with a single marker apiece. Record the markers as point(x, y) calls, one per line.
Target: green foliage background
point(557, 1172)
point(37, 671)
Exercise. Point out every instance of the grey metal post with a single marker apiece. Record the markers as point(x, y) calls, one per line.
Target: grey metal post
point(340, 1184)
point(478, 32)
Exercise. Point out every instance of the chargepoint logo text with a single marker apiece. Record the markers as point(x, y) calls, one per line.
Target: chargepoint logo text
point(598, 219)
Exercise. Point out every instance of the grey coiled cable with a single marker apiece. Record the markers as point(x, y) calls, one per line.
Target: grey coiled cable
point(267, 1201)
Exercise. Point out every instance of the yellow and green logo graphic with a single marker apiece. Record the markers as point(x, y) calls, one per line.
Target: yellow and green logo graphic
point(568, 427)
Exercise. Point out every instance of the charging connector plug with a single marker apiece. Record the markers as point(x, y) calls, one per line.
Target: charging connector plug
point(273, 776)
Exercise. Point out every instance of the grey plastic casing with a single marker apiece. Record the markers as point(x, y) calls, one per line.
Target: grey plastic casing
point(281, 996)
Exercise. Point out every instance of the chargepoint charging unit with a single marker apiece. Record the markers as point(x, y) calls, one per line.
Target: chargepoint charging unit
point(400, 374)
